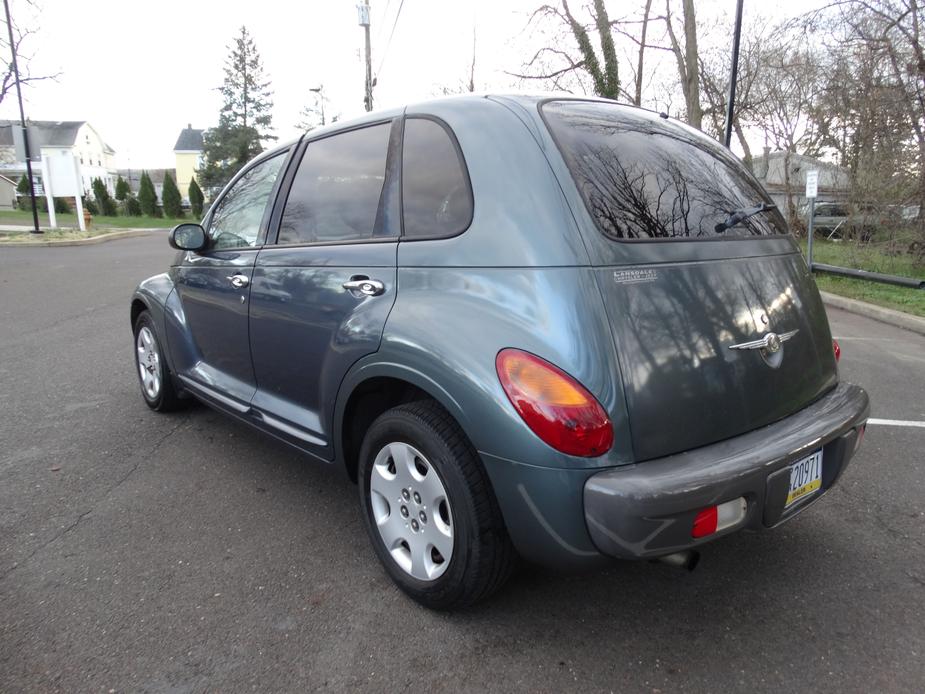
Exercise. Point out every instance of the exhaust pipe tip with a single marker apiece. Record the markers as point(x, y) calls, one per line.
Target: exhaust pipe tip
point(686, 559)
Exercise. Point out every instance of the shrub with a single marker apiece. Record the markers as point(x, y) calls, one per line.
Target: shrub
point(62, 206)
point(132, 206)
point(147, 197)
point(173, 203)
point(106, 204)
point(196, 198)
point(90, 206)
point(122, 189)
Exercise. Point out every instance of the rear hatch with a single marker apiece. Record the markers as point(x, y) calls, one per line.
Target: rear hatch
point(687, 300)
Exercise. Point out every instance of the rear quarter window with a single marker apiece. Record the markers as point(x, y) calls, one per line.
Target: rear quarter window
point(436, 194)
point(645, 177)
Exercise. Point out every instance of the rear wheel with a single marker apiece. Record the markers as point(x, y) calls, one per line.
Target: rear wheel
point(157, 388)
point(429, 508)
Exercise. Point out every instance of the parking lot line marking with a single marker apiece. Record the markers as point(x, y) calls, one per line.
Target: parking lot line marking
point(897, 423)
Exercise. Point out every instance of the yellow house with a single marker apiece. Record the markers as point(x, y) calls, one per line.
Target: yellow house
point(188, 153)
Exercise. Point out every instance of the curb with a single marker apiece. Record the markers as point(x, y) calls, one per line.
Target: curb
point(93, 240)
point(878, 313)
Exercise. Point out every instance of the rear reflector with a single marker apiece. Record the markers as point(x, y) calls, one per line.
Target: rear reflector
point(860, 436)
point(705, 522)
point(837, 350)
point(555, 406)
point(715, 518)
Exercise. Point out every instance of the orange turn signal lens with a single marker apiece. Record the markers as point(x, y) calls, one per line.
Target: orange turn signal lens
point(555, 406)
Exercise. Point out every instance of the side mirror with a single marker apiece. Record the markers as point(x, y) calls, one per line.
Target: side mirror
point(187, 237)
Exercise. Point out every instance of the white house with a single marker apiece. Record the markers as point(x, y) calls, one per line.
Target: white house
point(52, 138)
point(771, 169)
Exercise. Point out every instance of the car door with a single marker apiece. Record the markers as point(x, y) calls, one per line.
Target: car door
point(322, 292)
point(212, 352)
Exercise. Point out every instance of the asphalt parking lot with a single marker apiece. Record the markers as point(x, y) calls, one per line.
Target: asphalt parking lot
point(143, 552)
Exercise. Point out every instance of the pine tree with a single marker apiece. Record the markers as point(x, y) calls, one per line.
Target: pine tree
point(246, 118)
point(196, 198)
point(23, 186)
point(122, 189)
point(173, 203)
point(147, 197)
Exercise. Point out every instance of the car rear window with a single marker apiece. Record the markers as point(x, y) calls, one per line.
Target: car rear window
point(645, 177)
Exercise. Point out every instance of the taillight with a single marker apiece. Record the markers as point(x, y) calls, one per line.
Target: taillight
point(555, 406)
point(837, 350)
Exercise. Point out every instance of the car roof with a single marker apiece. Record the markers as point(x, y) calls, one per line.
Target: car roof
point(460, 102)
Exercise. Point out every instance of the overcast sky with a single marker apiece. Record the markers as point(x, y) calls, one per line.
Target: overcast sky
point(140, 76)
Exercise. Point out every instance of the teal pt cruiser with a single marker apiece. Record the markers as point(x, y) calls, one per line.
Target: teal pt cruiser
point(552, 328)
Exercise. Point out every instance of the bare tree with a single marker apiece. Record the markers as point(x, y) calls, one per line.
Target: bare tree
point(891, 31)
point(790, 85)
point(22, 37)
point(715, 65)
point(687, 59)
point(553, 63)
point(641, 52)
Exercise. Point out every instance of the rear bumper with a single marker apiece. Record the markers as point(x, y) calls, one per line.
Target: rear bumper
point(648, 509)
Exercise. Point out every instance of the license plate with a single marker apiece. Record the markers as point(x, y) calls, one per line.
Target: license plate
point(805, 478)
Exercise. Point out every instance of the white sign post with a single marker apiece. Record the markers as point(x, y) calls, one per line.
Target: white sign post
point(812, 190)
point(61, 176)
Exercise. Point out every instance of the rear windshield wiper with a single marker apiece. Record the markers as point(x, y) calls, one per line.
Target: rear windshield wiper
point(738, 216)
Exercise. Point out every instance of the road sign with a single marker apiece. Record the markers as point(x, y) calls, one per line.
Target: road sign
point(812, 184)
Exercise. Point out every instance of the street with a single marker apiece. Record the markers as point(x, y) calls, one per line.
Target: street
point(185, 552)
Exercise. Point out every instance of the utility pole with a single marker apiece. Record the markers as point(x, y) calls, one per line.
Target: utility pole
point(363, 12)
point(22, 120)
point(733, 74)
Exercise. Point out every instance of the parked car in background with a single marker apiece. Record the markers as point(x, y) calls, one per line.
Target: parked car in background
point(843, 220)
point(560, 328)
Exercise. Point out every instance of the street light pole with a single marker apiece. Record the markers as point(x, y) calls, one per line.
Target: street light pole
point(22, 122)
point(733, 74)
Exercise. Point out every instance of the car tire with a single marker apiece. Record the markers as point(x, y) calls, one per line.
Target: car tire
point(157, 387)
point(482, 558)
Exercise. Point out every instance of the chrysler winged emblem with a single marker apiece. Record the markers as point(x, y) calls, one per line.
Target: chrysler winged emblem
point(770, 345)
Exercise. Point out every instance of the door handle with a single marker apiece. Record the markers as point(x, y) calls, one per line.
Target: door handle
point(363, 285)
point(239, 281)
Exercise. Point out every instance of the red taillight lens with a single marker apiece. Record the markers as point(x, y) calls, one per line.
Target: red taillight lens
point(555, 406)
point(705, 522)
point(837, 350)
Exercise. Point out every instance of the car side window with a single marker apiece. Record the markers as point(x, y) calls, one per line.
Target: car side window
point(236, 220)
point(436, 196)
point(336, 191)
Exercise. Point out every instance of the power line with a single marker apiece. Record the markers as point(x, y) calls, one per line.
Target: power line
point(385, 13)
point(391, 34)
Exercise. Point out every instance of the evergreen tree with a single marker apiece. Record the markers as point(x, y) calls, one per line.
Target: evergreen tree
point(147, 197)
point(132, 206)
point(122, 189)
point(106, 204)
point(245, 119)
point(173, 203)
point(23, 186)
point(196, 198)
